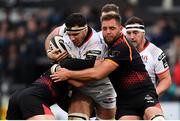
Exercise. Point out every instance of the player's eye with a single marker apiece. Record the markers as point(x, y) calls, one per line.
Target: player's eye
point(112, 28)
point(104, 28)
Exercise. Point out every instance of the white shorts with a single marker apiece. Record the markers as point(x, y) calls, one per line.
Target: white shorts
point(102, 92)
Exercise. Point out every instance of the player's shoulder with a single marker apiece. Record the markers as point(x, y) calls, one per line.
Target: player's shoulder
point(94, 32)
point(154, 50)
point(95, 35)
point(100, 34)
point(62, 29)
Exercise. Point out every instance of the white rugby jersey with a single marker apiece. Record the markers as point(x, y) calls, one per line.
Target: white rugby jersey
point(92, 46)
point(154, 60)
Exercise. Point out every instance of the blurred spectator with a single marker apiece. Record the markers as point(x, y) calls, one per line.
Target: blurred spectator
point(127, 13)
point(160, 33)
point(176, 73)
point(173, 52)
point(91, 15)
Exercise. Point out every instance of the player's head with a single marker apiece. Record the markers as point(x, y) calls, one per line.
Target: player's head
point(109, 9)
point(76, 28)
point(111, 27)
point(135, 30)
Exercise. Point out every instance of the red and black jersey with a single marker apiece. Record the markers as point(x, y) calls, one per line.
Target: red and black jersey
point(131, 75)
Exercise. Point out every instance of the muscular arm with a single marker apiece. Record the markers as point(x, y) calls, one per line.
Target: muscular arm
point(165, 82)
point(77, 64)
point(92, 74)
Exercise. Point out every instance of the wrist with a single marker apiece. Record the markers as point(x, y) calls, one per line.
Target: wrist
point(69, 74)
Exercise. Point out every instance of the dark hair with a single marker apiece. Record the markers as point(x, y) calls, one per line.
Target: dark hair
point(117, 17)
point(134, 20)
point(75, 19)
point(110, 7)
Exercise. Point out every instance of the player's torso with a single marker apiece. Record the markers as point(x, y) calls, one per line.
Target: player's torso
point(148, 60)
point(155, 61)
point(97, 47)
point(131, 74)
point(93, 43)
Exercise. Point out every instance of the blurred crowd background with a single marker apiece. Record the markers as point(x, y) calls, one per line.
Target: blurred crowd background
point(24, 25)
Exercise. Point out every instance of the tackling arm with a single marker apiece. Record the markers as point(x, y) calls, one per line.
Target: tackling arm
point(92, 74)
point(74, 64)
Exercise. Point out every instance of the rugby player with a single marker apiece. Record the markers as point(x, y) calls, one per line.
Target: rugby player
point(153, 57)
point(55, 55)
point(34, 101)
point(136, 95)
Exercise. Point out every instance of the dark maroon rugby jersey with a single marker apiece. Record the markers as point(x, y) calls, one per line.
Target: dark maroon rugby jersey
point(131, 73)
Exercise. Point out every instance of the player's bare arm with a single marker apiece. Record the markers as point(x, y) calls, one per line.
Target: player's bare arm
point(92, 74)
point(165, 82)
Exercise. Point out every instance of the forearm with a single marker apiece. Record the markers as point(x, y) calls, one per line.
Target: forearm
point(84, 75)
point(73, 64)
point(92, 74)
point(163, 86)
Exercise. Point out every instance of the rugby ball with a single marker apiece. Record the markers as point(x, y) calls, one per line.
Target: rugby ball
point(58, 43)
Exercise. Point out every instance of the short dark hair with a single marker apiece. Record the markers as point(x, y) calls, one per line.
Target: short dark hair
point(134, 20)
point(110, 7)
point(117, 17)
point(75, 20)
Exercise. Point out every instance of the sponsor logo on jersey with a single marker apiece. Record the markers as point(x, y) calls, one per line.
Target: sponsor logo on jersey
point(92, 54)
point(114, 53)
point(162, 58)
point(149, 99)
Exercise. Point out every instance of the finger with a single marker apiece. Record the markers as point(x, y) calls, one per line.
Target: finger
point(57, 80)
point(55, 51)
point(62, 57)
point(53, 77)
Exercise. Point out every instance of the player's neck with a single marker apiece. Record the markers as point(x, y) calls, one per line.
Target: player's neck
point(142, 45)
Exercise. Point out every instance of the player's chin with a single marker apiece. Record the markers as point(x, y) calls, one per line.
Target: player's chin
point(134, 43)
point(109, 40)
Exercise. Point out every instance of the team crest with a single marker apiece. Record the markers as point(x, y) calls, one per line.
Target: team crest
point(144, 58)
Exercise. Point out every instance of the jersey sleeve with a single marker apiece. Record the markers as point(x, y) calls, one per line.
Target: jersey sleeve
point(77, 64)
point(160, 61)
point(96, 49)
